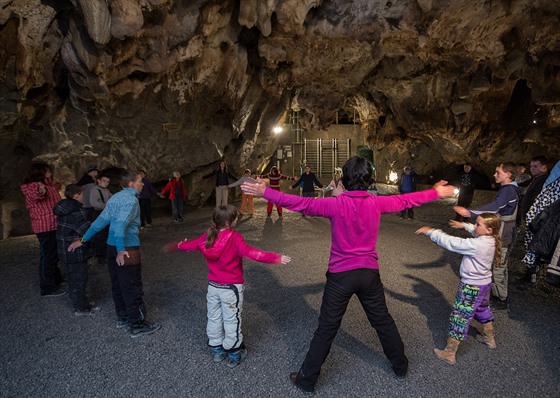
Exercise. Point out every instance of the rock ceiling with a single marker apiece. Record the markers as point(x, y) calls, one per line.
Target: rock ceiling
point(176, 84)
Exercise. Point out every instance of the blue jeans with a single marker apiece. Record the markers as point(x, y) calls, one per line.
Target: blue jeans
point(177, 208)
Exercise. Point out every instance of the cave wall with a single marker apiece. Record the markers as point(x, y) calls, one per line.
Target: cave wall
point(169, 85)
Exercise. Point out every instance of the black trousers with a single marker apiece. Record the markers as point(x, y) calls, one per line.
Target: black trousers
point(77, 274)
point(50, 276)
point(145, 211)
point(126, 286)
point(464, 200)
point(340, 287)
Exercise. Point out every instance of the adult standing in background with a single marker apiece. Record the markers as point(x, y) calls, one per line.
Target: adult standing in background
point(222, 190)
point(407, 184)
point(89, 176)
point(466, 187)
point(41, 195)
point(309, 180)
point(145, 199)
point(539, 171)
point(122, 215)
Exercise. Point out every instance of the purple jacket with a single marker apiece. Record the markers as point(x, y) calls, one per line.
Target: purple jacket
point(354, 217)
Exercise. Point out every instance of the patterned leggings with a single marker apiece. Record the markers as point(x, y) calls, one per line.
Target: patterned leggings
point(470, 302)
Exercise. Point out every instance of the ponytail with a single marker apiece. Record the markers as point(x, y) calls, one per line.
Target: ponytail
point(221, 216)
point(211, 235)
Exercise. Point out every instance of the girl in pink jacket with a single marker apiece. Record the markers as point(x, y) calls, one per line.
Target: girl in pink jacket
point(224, 250)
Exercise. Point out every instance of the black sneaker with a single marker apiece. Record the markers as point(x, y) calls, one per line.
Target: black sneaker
point(121, 323)
point(89, 311)
point(61, 291)
point(143, 328)
point(293, 379)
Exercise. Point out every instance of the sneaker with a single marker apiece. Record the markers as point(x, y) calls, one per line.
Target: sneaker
point(218, 353)
point(181, 219)
point(143, 328)
point(89, 311)
point(148, 225)
point(122, 323)
point(175, 220)
point(293, 379)
point(61, 291)
point(235, 358)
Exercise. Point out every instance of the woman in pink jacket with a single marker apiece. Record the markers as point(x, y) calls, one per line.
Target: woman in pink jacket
point(224, 250)
point(353, 266)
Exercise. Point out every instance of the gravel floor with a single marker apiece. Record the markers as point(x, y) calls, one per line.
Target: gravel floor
point(48, 352)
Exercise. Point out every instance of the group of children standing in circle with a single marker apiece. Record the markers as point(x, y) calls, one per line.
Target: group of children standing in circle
point(353, 267)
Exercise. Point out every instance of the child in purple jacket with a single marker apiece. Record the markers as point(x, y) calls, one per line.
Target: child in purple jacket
point(353, 267)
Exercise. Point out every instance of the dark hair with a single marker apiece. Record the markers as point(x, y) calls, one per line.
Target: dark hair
point(102, 175)
point(37, 172)
point(521, 165)
point(72, 190)
point(467, 164)
point(127, 177)
point(220, 217)
point(541, 159)
point(357, 174)
point(509, 167)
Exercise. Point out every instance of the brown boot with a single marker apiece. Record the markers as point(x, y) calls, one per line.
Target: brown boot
point(448, 354)
point(487, 335)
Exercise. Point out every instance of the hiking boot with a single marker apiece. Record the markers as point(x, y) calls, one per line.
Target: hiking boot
point(122, 323)
point(218, 353)
point(61, 291)
point(486, 336)
point(89, 311)
point(293, 379)
point(236, 357)
point(143, 328)
point(449, 353)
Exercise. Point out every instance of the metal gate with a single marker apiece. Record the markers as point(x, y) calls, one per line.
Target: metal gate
point(324, 155)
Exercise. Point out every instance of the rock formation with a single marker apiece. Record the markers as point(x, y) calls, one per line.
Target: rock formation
point(178, 84)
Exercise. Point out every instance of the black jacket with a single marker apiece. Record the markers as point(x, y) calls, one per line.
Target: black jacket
point(72, 224)
point(546, 227)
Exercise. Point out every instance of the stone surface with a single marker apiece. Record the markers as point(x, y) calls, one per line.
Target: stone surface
point(175, 84)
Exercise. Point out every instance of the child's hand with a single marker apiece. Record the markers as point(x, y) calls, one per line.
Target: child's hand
point(285, 259)
point(170, 247)
point(423, 230)
point(456, 224)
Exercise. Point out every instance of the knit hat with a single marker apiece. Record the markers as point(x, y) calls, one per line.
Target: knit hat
point(92, 167)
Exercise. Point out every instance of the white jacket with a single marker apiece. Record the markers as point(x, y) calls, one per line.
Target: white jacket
point(478, 254)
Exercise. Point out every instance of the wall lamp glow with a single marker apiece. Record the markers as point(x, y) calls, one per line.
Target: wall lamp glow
point(277, 130)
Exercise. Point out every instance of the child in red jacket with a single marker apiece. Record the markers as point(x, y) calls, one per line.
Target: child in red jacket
point(177, 193)
point(224, 250)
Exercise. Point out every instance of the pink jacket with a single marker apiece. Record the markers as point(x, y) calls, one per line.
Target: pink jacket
point(225, 256)
point(354, 217)
point(41, 207)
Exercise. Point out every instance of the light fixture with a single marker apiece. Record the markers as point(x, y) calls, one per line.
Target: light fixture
point(277, 129)
point(393, 176)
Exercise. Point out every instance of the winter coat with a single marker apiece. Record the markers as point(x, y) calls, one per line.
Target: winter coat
point(546, 227)
point(172, 186)
point(72, 224)
point(225, 256)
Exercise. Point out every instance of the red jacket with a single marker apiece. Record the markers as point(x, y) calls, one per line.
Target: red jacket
point(171, 185)
point(225, 256)
point(275, 179)
point(41, 207)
